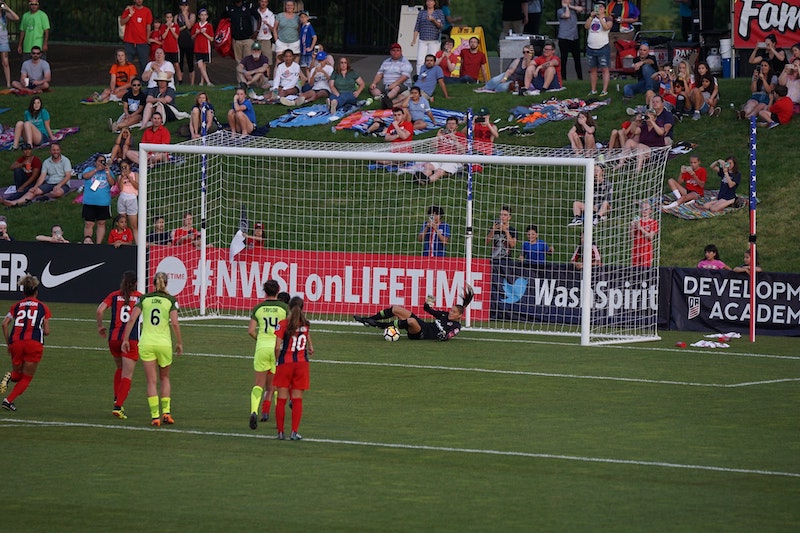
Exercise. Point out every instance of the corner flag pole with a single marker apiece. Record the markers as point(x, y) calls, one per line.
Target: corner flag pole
point(753, 262)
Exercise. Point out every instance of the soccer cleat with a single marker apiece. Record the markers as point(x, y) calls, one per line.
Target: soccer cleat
point(156, 422)
point(167, 419)
point(4, 382)
point(119, 412)
point(281, 436)
point(576, 221)
point(265, 417)
point(9, 406)
point(295, 436)
point(253, 420)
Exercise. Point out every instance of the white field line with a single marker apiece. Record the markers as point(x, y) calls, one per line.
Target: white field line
point(443, 449)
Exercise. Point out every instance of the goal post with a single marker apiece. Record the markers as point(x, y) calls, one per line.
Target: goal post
point(347, 234)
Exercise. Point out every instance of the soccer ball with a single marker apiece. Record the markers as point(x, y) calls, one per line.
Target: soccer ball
point(391, 334)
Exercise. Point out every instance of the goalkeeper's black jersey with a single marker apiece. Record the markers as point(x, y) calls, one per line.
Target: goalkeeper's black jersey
point(442, 328)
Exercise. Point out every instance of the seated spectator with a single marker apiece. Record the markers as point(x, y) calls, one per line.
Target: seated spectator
point(4, 236)
point(133, 104)
point(473, 63)
point(534, 251)
point(159, 100)
point(159, 67)
point(644, 229)
point(253, 70)
point(53, 181)
point(186, 234)
point(97, 198)
point(400, 131)
point(645, 66)
point(654, 129)
point(703, 98)
point(577, 258)
point(121, 145)
point(448, 141)
point(513, 77)
point(393, 78)
point(319, 78)
point(663, 80)
point(602, 200)
point(582, 135)
point(121, 234)
point(728, 171)
point(431, 75)
point(34, 128)
point(34, 74)
point(203, 35)
point(545, 73)
point(790, 77)
point(196, 116)
point(711, 259)
point(689, 186)
point(434, 233)
point(675, 101)
point(122, 74)
point(761, 86)
point(447, 60)
point(345, 85)
point(159, 235)
point(242, 116)
point(56, 236)
point(627, 131)
point(418, 109)
point(743, 268)
point(156, 134)
point(26, 171)
point(288, 76)
point(484, 132)
point(780, 108)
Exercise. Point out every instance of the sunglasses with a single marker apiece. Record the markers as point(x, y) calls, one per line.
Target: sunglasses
point(136, 84)
point(527, 52)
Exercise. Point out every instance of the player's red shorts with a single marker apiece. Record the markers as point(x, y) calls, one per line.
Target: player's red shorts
point(115, 346)
point(292, 376)
point(28, 351)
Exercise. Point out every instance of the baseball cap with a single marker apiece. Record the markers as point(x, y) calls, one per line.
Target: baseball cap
point(395, 46)
point(255, 46)
point(183, 2)
point(304, 12)
point(25, 146)
point(321, 56)
point(259, 225)
point(482, 112)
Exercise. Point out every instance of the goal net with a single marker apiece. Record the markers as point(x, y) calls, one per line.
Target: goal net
point(352, 236)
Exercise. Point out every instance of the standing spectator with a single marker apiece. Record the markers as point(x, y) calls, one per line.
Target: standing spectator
point(24, 328)
point(203, 35)
point(253, 69)
point(34, 128)
point(690, 185)
point(202, 111)
point(780, 108)
point(514, 74)
point(138, 21)
point(434, 234)
point(97, 199)
point(186, 234)
point(120, 234)
point(447, 60)
point(449, 141)
point(473, 63)
point(645, 66)
point(449, 19)
point(34, 74)
point(429, 76)
point(169, 38)
point(156, 134)
point(241, 116)
point(644, 229)
point(427, 31)
point(26, 171)
point(245, 22)
point(502, 235)
point(598, 54)
point(266, 32)
point(624, 13)
point(133, 104)
point(730, 177)
point(534, 251)
point(685, 12)
point(711, 259)
point(128, 200)
point(186, 21)
point(515, 16)
point(34, 30)
point(391, 82)
point(53, 181)
point(159, 235)
point(155, 345)
point(308, 40)
point(746, 265)
point(4, 236)
point(287, 28)
point(286, 81)
point(603, 191)
point(534, 17)
point(569, 41)
point(154, 39)
point(545, 73)
point(345, 86)
point(6, 14)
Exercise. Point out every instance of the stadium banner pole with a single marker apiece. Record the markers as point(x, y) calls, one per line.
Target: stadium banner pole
point(203, 209)
point(141, 252)
point(752, 239)
point(469, 241)
point(587, 254)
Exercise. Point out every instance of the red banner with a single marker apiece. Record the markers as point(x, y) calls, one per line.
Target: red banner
point(755, 19)
point(329, 282)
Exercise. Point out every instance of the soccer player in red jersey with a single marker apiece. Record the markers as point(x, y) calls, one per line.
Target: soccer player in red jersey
point(121, 303)
point(24, 328)
point(293, 349)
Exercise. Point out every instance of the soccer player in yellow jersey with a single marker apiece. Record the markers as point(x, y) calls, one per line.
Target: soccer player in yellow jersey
point(264, 318)
point(159, 312)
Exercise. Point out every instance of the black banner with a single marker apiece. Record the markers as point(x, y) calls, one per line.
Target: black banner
point(69, 273)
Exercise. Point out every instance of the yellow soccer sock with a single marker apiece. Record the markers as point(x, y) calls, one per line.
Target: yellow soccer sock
point(166, 406)
point(255, 399)
point(152, 401)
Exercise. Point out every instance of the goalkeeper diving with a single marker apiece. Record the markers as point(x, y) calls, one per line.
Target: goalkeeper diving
point(444, 327)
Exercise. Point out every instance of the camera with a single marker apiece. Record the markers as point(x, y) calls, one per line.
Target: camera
point(316, 48)
point(643, 117)
point(480, 119)
point(762, 45)
point(726, 164)
point(757, 69)
point(597, 7)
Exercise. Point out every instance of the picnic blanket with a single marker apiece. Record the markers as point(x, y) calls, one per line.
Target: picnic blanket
point(361, 121)
point(693, 211)
point(552, 110)
point(313, 115)
point(74, 185)
point(7, 136)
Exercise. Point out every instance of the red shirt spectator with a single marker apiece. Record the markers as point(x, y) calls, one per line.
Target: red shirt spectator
point(783, 109)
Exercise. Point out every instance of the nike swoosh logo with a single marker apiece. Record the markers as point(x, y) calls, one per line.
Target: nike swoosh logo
point(52, 281)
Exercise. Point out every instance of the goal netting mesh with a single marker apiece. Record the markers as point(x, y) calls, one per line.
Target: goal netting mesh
point(348, 234)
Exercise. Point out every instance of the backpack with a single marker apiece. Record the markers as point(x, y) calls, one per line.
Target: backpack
point(222, 40)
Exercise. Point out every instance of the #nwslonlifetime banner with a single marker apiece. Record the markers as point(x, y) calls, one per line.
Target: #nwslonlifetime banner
point(755, 19)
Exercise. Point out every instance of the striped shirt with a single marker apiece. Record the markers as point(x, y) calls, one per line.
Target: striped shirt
point(28, 315)
point(120, 313)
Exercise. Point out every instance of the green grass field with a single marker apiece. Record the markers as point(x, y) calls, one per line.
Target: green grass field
point(487, 432)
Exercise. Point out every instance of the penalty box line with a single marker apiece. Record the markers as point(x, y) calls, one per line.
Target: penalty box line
point(417, 447)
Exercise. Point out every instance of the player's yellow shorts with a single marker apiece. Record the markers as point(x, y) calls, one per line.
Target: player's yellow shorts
point(160, 353)
point(264, 360)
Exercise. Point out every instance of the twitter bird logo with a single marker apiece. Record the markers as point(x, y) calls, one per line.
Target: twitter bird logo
point(514, 292)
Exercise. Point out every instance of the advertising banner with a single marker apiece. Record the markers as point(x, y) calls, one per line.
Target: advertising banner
point(755, 19)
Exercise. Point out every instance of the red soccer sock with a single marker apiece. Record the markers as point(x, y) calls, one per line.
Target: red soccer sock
point(265, 406)
point(280, 414)
point(20, 387)
point(117, 378)
point(297, 413)
point(16, 376)
point(123, 389)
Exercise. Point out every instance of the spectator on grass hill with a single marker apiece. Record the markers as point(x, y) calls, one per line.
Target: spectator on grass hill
point(777, 57)
point(138, 21)
point(203, 35)
point(400, 131)
point(156, 134)
point(780, 108)
point(159, 68)
point(473, 63)
point(53, 181)
point(253, 69)
point(690, 185)
point(645, 65)
point(202, 104)
point(241, 116)
point(427, 31)
point(391, 82)
point(711, 259)
point(186, 20)
point(121, 145)
point(728, 171)
point(26, 171)
point(449, 141)
point(434, 233)
point(34, 129)
point(245, 23)
point(603, 191)
point(761, 85)
point(287, 81)
point(654, 129)
point(447, 60)
point(430, 75)
point(568, 38)
point(34, 30)
point(56, 236)
point(319, 77)
point(627, 130)
point(345, 86)
point(545, 73)
point(582, 135)
point(418, 109)
point(6, 14)
point(122, 73)
point(513, 77)
point(790, 77)
point(34, 74)
point(133, 104)
point(97, 198)
point(746, 265)
point(502, 235)
point(159, 100)
point(534, 251)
